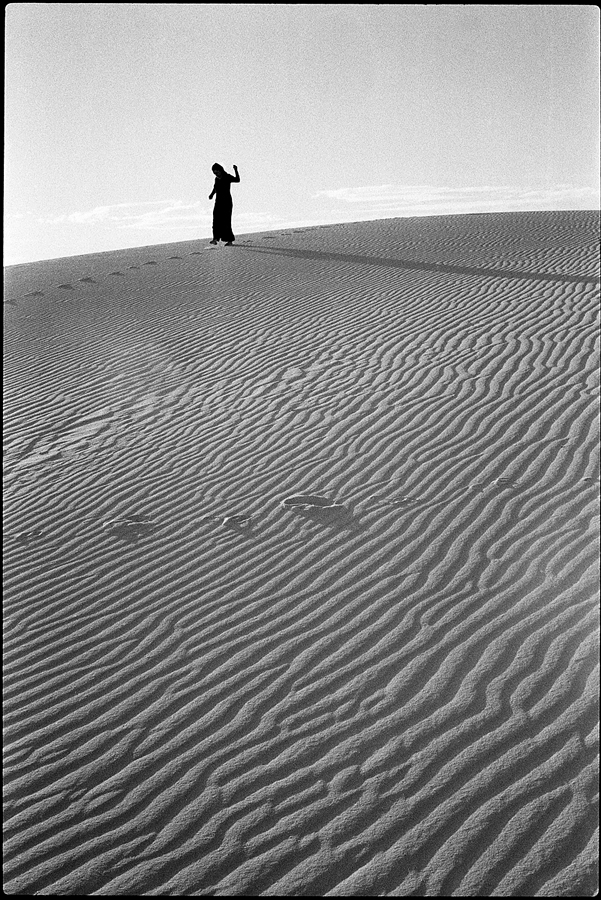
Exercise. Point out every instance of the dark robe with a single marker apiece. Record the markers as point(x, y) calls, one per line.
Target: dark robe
point(222, 211)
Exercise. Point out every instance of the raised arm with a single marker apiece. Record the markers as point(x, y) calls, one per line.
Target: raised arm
point(237, 178)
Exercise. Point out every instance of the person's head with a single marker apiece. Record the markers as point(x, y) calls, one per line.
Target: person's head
point(217, 170)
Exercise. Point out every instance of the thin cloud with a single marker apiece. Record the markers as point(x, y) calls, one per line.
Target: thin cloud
point(401, 199)
point(152, 215)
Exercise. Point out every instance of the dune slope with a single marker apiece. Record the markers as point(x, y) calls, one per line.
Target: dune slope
point(300, 567)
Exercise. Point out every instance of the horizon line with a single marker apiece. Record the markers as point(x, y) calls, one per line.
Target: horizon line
point(308, 224)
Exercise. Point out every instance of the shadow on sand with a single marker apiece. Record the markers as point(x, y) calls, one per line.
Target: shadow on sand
point(421, 266)
point(336, 516)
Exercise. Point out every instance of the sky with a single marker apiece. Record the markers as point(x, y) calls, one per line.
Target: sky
point(115, 113)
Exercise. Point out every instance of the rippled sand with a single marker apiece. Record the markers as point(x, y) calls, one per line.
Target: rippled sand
point(300, 565)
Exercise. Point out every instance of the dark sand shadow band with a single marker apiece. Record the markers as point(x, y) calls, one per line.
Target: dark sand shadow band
point(422, 266)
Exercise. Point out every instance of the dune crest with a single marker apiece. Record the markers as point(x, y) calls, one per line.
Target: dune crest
point(301, 568)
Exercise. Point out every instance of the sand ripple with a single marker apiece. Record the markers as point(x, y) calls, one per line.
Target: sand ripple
point(301, 563)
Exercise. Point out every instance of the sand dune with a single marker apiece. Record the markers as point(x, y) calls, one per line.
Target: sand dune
point(301, 563)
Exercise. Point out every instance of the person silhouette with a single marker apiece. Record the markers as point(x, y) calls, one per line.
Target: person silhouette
point(222, 211)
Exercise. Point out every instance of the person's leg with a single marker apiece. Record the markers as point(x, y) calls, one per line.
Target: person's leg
point(216, 225)
point(228, 234)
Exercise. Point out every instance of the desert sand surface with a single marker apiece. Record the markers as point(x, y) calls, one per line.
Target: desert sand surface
point(300, 565)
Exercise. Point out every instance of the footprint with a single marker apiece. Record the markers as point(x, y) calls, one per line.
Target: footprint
point(24, 537)
point(35, 294)
point(237, 520)
point(174, 257)
point(394, 501)
point(307, 500)
point(130, 528)
point(120, 274)
point(88, 280)
point(151, 262)
point(133, 519)
point(133, 267)
point(321, 511)
point(66, 287)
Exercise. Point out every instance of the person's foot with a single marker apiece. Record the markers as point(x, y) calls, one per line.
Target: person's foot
point(213, 242)
point(229, 244)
